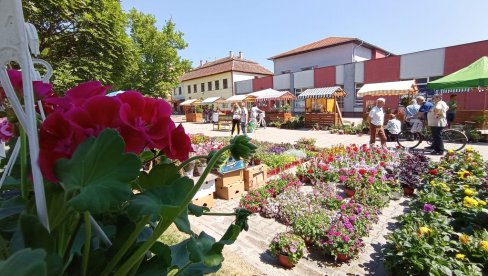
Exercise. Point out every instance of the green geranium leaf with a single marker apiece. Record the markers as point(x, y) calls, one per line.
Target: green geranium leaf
point(197, 210)
point(98, 173)
point(162, 201)
point(34, 234)
point(159, 263)
point(183, 223)
point(229, 237)
point(180, 259)
point(146, 155)
point(25, 262)
point(200, 249)
point(160, 175)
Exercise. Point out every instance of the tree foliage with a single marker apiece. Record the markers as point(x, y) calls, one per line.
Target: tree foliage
point(88, 40)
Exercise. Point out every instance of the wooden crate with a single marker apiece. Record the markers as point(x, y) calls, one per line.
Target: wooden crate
point(205, 201)
point(255, 177)
point(232, 191)
point(229, 178)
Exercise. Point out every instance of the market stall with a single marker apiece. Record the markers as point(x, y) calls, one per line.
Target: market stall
point(321, 105)
point(470, 84)
point(275, 103)
point(191, 114)
point(214, 111)
point(391, 91)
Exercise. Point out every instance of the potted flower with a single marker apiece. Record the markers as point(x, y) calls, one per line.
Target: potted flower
point(412, 167)
point(288, 248)
point(309, 226)
point(341, 241)
point(201, 165)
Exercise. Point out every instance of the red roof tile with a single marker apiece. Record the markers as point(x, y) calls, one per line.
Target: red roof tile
point(226, 64)
point(324, 43)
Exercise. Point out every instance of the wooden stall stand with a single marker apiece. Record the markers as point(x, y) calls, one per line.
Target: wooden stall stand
point(275, 116)
point(321, 106)
point(194, 117)
point(255, 177)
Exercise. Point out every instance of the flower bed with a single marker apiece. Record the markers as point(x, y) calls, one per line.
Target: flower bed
point(446, 231)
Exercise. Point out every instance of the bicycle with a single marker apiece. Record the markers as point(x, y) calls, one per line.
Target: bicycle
point(453, 139)
point(261, 121)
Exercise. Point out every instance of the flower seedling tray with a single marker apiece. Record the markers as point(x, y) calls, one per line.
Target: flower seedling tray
point(255, 177)
point(230, 191)
point(208, 187)
point(205, 201)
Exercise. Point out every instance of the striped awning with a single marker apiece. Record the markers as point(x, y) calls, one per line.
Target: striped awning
point(323, 92)
point(190, 102)
point(212, 100)
point(271, 94)
point(241, 98)
point(395, 88)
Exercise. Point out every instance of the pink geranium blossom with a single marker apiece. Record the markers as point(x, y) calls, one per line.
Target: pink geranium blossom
point(6, 130)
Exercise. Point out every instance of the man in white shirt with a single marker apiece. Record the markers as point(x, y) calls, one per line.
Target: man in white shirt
point(376, 119)
point(393, 127)
point(437, 120)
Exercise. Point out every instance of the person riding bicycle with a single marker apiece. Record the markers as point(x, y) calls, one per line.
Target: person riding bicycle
point(437, 120)
point(421, 115)
point(255, 112)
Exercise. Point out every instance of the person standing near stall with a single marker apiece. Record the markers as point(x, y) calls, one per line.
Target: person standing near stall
point(451, 113)
point(244, 118)
point(236, 119)
point(436, 118)
point(376, 119)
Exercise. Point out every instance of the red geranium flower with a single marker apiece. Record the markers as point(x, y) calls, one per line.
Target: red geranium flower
point(362, 171)
point(433, 172)
point(180, 145)
point(40, 89)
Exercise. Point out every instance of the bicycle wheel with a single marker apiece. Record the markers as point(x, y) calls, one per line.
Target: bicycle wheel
point(454, 139)
point(408, 139)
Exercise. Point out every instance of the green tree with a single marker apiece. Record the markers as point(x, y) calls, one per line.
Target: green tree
point(83, 40)
point(159, 66)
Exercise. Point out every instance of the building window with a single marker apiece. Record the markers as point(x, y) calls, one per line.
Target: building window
point(357, 101)
point(224, 84)
point(189, 89)
point(202, 87)
point(194, 88)
point(422, 86)
point(217, 85)
point(209, 86)
point(179, 90)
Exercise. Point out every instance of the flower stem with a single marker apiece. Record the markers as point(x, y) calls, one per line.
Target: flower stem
point(23, 164)
point(86, 249)
point(186, 162)
point(219, 214)
point(120, 253)
point(163, 224)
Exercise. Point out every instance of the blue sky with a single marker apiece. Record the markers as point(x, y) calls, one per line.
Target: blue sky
point(264, 28)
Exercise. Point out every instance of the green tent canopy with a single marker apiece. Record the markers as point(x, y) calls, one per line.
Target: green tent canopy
point(474, 75)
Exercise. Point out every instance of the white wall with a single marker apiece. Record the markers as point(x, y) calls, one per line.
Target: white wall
point(243, 87)
point(359, 72)
point(320, 58)
point(361, 53)
point(303, 79)
point(422, 64)
point(281, 81)
point(238, 76)
point(340, 74)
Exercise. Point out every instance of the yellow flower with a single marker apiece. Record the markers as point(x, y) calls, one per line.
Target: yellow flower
point(469, 149)
point(424, 231)
point(469, 192)
point(463, 174)
point(444, 187)
point(460, 256)
point(484, 245)
point(464, 239)
point(450, 152)
point(482, 202)
point(433, 183)
point(465, 186)
point(470, 202)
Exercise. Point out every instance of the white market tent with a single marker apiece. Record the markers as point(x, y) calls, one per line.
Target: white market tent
point(271, 94)
point(190, 102)
point(241, 98)
point(212, 100)
point(396, 88)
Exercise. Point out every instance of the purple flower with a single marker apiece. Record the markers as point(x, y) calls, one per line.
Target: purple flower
point(428, 208)
point(345, 238)
point(343, 207)
point(342, 178)
point(293, 249)
point(348, 226)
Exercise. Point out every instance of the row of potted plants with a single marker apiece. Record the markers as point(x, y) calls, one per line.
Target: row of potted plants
point(445, 232)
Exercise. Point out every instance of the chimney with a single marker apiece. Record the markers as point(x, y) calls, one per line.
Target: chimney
point(201, 62)
point(241, 55)
point(231, 54)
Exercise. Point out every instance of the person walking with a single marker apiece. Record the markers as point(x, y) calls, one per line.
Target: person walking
point(437, 120)
point(244, 118)
point(376, 119)
point(236, 119)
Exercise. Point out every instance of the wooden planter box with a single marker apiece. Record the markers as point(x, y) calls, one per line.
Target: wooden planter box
point(205, 201)
point(471, 115)
point(321, 118)
point(229, 178)
point(255, 177)
point(194, 117)
point(230, 191)
point(278, 116)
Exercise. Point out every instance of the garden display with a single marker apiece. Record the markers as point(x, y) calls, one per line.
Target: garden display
point(105, 213)
point(445, 232)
